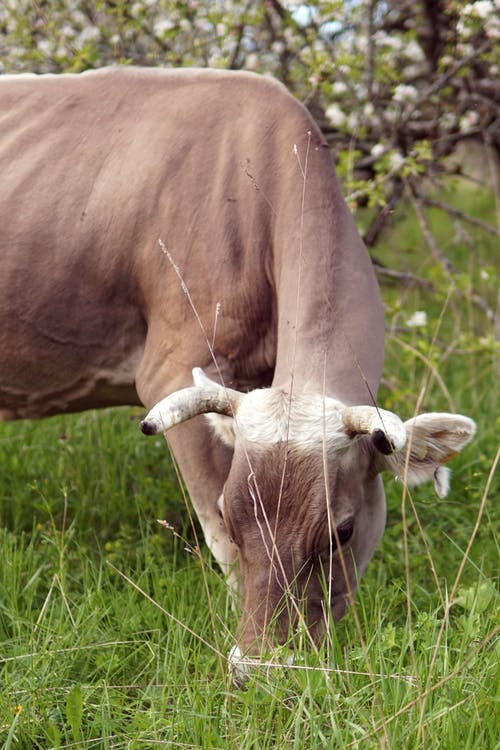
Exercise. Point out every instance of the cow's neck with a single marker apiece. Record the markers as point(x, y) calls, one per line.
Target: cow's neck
point(330, 317)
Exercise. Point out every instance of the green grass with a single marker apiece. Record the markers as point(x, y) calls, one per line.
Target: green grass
point(114, 635)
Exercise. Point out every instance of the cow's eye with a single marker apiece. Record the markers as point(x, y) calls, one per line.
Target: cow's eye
point(344, 530)
point(342, 533)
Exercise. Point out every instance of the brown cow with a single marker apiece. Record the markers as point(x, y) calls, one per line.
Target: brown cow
point(154, 220)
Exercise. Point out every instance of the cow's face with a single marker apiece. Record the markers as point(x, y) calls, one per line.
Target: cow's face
point(295, 522)
point(306, 509)
point(303, 500)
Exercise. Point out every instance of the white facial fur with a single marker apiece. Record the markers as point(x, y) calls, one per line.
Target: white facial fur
point(272, 416)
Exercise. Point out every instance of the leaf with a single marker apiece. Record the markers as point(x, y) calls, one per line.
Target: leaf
point(389, 637)
point(54, 735)
point(476, 597)
point(74, 711)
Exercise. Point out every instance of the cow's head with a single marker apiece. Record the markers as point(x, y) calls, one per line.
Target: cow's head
point(303, 500)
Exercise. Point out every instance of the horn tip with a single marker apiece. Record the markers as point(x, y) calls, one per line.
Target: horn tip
point(149, 427)
point(382, 442)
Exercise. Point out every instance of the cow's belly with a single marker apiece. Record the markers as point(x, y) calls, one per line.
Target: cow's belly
point(72, 330)
point(34, 388)
point(67, 350)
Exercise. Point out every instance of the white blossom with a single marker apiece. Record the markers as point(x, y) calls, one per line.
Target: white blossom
point(415, 70)
point(417, 320)
point(468, 120)
point(90, 34)
point(67, 31)
point(465, 50)
point(404, 93)
point(382, 39)
point(216, 61)
point(414, 51)
point(392, 113)
point(448, 120)
point(339, 88)
point(252, 62)
point(201, 25)
point(45, 47)
point(86, 35)
point(479, 9)
point(361, 44)
point(335, 115)
point(377, 150)
point(353, 121)
point(278, 47)
point(396, 160)
point(368, 110)
point(162, 26)
point(492, 27)
point(464, 30)
point(482, 10)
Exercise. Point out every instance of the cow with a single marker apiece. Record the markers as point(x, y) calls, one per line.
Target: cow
point(178, 239)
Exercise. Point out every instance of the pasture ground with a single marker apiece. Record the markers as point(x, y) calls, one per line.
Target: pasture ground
point(114, 630)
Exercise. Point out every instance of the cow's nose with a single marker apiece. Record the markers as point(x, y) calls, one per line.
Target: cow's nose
point(241, 666)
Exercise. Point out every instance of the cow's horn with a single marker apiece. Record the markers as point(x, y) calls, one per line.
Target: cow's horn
point(189, 402)
point(386, 429)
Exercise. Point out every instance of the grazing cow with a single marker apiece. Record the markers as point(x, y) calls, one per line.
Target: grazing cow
point(155, 220)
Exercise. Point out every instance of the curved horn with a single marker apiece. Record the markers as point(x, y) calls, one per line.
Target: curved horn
point(189, 402)
point(386, 429)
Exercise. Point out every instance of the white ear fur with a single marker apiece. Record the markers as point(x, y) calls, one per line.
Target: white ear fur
point(201, 379)
point(223, 428)
point(442, 481)
point(433, 439)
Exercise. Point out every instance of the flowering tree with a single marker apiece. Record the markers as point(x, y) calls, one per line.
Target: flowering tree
point(395, 85)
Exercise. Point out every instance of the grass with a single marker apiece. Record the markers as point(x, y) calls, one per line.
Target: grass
point(113, 630)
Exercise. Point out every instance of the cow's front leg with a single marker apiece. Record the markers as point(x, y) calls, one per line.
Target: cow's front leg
point(204, 464)
point(204, 461)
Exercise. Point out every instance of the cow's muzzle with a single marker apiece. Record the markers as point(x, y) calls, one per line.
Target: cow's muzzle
point(241, 666)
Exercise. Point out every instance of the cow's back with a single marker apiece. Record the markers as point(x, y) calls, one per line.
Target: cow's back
point(96, 168)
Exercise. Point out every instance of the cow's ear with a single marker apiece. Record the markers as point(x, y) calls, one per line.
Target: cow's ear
point(432, 440)
point(223, 428)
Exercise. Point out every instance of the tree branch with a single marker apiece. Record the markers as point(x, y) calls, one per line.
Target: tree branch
point(438, 255)
point(460, 214)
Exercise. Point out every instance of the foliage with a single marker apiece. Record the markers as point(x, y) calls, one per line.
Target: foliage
point(394, 80)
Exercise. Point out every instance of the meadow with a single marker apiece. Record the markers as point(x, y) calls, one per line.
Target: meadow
point(114, 629)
